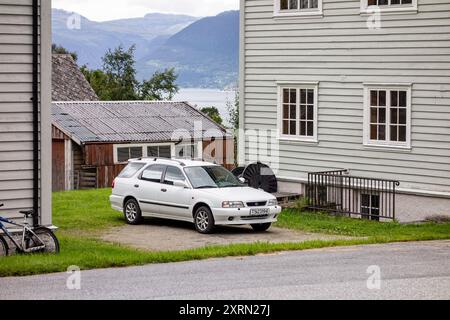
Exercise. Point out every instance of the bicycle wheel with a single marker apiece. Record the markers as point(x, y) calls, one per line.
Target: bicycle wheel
point(3, 247)
point(47, 237)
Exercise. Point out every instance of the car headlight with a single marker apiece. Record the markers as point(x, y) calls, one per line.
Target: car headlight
point(233, 204)
point(272, 203)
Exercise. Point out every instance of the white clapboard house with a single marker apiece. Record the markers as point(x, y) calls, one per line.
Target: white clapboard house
point(25, 103)
point(358, 95)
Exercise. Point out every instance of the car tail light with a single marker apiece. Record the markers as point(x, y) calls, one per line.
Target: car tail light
point(114, 183)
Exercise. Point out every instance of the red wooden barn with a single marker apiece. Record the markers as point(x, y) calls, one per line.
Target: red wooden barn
point(93, 140)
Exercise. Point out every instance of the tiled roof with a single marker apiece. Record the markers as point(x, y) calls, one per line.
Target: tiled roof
point(130, 121)
point(69, 83)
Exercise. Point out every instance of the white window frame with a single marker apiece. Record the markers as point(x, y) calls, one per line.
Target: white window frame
point(144, 149)
point(298, 86)
point(371, 207)
point(388, 87)
point(311, 13)
point(389, 9)
point(171, 145)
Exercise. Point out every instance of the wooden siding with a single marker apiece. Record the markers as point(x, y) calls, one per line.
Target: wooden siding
point(58, 160)
point(16, 110)
point(341, 53)
point(97, 161)
point(58, 134)
point(99, 154)
point(101, 157)
point(107, 174)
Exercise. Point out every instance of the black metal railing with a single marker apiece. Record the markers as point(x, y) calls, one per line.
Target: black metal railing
point(340, 193)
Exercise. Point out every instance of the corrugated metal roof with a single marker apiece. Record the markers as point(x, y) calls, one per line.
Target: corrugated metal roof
point(130, 121)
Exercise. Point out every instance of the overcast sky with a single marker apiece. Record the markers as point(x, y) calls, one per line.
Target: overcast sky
point(102, 10)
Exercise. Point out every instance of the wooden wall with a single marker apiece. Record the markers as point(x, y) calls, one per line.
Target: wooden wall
point(98, 159)
point(58, 166)
point(101, 156)
point(58, 160)
point(16, 108)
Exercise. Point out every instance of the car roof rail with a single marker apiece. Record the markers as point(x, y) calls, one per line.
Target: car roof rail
point(181, 163)
point(158, 158)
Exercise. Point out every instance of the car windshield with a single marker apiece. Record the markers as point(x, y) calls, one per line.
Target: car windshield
point(211, 177)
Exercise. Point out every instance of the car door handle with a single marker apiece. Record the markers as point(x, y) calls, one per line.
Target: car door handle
point(164, 190)
point(136, 186)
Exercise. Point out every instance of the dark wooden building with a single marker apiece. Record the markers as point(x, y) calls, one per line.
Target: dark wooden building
point(93, 141)
point(68, 84)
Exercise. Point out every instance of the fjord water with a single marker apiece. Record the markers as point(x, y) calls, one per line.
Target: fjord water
point(207, 98)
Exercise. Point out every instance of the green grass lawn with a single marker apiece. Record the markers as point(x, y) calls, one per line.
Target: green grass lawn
point(83, 215)
point(374, 231)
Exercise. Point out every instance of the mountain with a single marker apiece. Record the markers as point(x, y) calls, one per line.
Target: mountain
point(205, 54)
point(92, 39)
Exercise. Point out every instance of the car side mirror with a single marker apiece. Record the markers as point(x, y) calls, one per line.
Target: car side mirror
point(180, 184)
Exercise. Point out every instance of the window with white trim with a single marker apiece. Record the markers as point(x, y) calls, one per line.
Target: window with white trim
point(389, 5)
point(370, 206)
point(388, 2)
point(298, 7)
point(126, 153)
point(298, 112)
point(387, 116)
point(160, 151)
point(298, 4)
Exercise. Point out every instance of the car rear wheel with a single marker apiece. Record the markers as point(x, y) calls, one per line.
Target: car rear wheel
point(132, 212)
point(204, 220)
point(261, 227)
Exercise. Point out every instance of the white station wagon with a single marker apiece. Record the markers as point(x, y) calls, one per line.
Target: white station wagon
point(203, 193)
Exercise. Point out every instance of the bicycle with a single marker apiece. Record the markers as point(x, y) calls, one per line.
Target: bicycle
point(33, 240)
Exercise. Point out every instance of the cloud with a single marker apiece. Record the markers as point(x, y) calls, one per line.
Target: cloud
point(102, 10)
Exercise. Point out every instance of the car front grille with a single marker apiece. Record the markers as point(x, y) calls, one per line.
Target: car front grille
point(255, 217)
point(257, 204)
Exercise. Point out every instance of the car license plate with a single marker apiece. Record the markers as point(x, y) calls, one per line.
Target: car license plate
point(259, 212)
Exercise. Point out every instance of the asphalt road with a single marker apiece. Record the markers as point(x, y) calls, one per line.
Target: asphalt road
point(407, 271)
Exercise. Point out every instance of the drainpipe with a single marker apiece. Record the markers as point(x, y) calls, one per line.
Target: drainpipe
point(35, 100)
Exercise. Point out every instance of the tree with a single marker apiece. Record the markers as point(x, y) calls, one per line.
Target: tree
point(233, 111)
point(233, 116)
point(213, 113)
point(117, 79)
point(57, 49)
point(118, 65)
point(160, 87)
point(99, 82)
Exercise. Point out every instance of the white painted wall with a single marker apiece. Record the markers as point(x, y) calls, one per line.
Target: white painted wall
point(16, 138)
point(341, 53)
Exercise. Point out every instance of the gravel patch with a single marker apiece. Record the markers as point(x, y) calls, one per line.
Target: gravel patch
point(162, 235)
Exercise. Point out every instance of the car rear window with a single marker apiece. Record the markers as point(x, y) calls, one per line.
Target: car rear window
point(131, 169)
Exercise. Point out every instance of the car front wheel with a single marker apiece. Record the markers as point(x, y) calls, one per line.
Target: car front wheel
point(132, 212)
point(204, 220)
point(261, 227)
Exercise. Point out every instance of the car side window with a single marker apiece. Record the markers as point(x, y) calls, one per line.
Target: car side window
point(173, 174)
point(130, 170)
point(153, 173)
